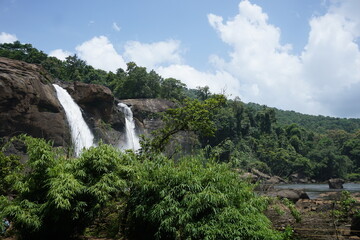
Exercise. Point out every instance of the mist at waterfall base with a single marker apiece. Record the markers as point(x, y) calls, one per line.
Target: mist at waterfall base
point(80, 132)
point(132, 139)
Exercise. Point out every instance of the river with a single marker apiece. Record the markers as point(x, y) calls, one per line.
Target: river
point(314, 190)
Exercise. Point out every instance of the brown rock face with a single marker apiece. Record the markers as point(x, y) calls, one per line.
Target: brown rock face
point(96, 100)
point(336, 183)
point(28, 103)
point(150, 105)
point(101, 113)
point(146, 110)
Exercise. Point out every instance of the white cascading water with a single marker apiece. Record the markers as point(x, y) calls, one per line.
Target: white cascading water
point(132, 140)
point(80, 132)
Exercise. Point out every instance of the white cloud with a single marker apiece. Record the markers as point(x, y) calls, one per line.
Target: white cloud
point(100, 53)
point(60, 54)
point(267, 72)
point(350, 10)
point(328, 68)
point(7, 38)
point(116, 27)
point(323, 79)
point(331, 59)
point(220, 81)
point(151, 55)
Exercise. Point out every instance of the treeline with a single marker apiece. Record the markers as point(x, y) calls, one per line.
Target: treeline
point(247, 135)
point(133, 82)
point(253, 138)
point(319, 124)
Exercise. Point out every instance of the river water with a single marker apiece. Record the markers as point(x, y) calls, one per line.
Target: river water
point(314, 190)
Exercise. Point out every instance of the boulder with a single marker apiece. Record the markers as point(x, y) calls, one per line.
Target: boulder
point(28, 103)
point(298, 178)
point(260, 175)
point(252, 178)
point(336, 183)
point(292, 194)
point(275, 180)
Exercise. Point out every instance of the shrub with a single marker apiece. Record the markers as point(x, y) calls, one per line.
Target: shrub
point(56, 197)
point(193, 199)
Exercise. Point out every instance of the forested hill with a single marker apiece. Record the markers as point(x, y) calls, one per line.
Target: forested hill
point(318, 124)
point(245, 135)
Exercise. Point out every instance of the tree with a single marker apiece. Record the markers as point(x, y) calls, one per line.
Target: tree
point(203, 93)
point(8, 164)
point(351, 148)
point(172, 88)
point(56, 197)
point(23, 52)
point(328, 161)
point(194, 115)
point(193, 199)
point(75, 68)
point(266, 118)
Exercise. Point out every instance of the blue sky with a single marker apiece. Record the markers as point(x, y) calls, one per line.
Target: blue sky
point(300, 55)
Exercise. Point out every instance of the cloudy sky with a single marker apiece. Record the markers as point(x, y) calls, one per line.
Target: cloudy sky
point(300, 55)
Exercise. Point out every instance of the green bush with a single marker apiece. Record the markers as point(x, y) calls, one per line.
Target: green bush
point(56, 197)
point(353, 177)
point(193, 199)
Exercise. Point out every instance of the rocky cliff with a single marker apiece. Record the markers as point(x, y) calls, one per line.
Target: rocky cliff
point(101, 112)
point(28, 103)
point(146, 112)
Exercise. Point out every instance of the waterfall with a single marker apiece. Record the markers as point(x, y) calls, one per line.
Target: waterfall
point(132, 140)
point(80, 132)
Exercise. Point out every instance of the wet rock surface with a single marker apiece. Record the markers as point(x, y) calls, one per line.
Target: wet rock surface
point(28, 103)
point(319, 219)
point(336, 183)
point(99, 109)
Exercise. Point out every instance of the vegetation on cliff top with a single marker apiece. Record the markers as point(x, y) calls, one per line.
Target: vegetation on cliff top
point(247, 135)
point(154, 196)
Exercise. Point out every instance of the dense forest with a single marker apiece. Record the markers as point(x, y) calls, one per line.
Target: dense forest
point(197, 196)
point(247, 135)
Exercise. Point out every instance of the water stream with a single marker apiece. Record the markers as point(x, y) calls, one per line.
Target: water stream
point(315, 190)
point(132, 139)
point(80, 132)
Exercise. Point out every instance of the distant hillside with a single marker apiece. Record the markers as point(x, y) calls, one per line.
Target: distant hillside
point(319, 124)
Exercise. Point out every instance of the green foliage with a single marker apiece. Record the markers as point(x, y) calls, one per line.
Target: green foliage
point(8, 164)
point(194, 199)
point(58, 197)
point(23, 52)
point(247, 135)
point(346, 203)
point(172, 88)
point(294, 212)
point(135, 82)
point(329, 163)
point(288, 233)
point(194, 115)
point(317, 124)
